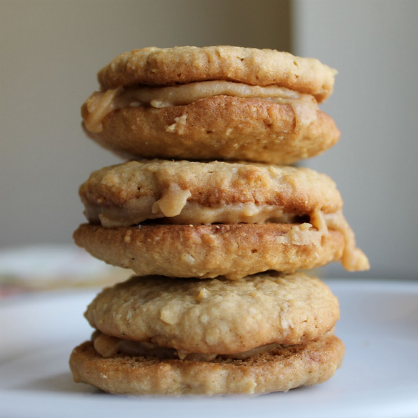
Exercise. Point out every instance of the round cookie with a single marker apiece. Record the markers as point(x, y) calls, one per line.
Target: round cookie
point(216, 316)
point(210, 103)
point(186, 192)
point(157, 67)
point(220, 127)
point(280, 370)
point(208, 251)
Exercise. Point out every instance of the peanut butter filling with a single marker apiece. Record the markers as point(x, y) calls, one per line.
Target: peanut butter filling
point(173, 208)
point(353, 258)
point(108, 347)
point(100, 104)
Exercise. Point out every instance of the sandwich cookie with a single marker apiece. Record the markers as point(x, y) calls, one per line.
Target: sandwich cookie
point(218, 102)
point(192, 336)
point(191, 219)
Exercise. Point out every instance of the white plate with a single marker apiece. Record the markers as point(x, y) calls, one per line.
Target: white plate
point(379, 378)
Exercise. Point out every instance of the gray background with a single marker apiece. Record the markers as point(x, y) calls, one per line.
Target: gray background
point(51, 50)
point(374, 46)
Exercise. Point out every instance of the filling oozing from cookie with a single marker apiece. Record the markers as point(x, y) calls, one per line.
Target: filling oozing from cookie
point(108, 347)
point(100, 104)
point(173, 208)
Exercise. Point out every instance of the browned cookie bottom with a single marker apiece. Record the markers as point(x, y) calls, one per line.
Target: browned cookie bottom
point(220, 127)
point(280, 370)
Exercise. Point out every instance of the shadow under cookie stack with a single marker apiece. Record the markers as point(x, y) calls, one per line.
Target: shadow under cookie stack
point(215, 223)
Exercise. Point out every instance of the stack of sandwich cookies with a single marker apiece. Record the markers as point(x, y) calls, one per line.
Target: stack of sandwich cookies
point(194, 320)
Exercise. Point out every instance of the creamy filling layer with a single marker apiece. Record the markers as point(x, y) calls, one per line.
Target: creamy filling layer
point(108, 347)
point(173, 208)
point(181, 212)
point(353, 258)
point(100, 104)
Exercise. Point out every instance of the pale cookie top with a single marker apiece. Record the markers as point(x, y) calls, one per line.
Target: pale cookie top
point(196, 192)
point(216, 316)
point(261, 67)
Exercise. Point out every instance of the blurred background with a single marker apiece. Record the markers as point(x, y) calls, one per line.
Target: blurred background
point(51, 50)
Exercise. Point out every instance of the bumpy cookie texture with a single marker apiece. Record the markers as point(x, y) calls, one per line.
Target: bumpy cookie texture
point(219, 127)
point(158, 67)
point(280, 370)
point(141, 184)
point(216, 316)
point(207, 251)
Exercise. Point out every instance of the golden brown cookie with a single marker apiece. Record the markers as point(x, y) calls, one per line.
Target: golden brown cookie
point(157, 67)
point(280, 370)
point(216, 316)
point(219, 127)
point(206, 251)
point(185, 192)
point(296, 214)
point(212, 103)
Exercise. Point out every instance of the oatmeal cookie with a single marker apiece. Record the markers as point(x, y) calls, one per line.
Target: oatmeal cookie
point(216, 316)
point(208, 251)
point(280, 370)
point(257, 67)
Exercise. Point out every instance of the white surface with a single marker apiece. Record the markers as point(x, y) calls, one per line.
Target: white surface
point(379, 378)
